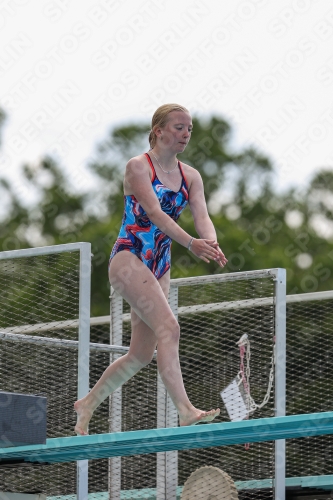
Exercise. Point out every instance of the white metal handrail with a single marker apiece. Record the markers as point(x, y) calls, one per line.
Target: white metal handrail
point(70, 344)
point(182, 311)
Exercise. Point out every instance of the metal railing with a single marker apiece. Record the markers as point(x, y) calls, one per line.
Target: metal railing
point(70, 271)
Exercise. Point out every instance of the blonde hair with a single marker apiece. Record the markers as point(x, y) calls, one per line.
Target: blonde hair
point(160, 118)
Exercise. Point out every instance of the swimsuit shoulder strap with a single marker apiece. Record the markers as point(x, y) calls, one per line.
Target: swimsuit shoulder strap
point(151, 166)
point(183, 175)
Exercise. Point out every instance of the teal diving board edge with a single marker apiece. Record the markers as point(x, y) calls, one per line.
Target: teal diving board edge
point(320, 482)
point(68, 449)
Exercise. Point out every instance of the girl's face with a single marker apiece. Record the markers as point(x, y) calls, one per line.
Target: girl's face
point(177, 131)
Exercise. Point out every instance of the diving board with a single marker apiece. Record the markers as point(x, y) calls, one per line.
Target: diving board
point(95, 446)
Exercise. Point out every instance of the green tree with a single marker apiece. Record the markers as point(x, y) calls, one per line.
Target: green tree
point(256, 226)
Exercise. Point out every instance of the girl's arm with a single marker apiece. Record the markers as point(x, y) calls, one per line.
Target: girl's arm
point(202, 222)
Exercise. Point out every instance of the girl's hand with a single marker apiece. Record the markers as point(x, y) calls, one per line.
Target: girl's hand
point(208, 250)
point(221, 259)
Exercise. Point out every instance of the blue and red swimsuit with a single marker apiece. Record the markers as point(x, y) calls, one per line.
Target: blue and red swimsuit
point(140, 236)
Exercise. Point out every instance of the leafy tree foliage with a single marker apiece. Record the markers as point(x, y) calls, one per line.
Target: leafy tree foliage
point(256, 226)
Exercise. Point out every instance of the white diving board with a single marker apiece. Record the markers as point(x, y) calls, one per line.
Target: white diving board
point(68, 449)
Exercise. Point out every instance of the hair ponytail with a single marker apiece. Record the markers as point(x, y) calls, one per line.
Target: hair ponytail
point(152, 139)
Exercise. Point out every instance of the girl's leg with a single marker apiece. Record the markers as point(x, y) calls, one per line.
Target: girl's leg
point(139, 287)
point(142, 347)
point(135, 282)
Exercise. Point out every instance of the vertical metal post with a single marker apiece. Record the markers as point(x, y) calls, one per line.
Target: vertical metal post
point(115, 400)
point(167, 416)
point(161, 423)
point(280, 380)
point(83, 353)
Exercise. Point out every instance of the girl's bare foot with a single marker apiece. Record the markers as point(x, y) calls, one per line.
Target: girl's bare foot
point(83, 417)
point(195, 416)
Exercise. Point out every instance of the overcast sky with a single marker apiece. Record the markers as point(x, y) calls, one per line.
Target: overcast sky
point(71, 70)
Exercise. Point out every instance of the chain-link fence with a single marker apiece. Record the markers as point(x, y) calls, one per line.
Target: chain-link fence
point(210, 359)
point(44, 303)
point(213, 312)
point(310, 388)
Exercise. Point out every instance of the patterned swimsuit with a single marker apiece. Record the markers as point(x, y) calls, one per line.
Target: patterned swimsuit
point(140, 236)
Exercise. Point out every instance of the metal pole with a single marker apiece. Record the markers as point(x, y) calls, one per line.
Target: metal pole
point(161, 423)
point(212, 278)
point(115, 401)
point(47, 250)
point(167, 416)
point(280, 380)
point(83, 353)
